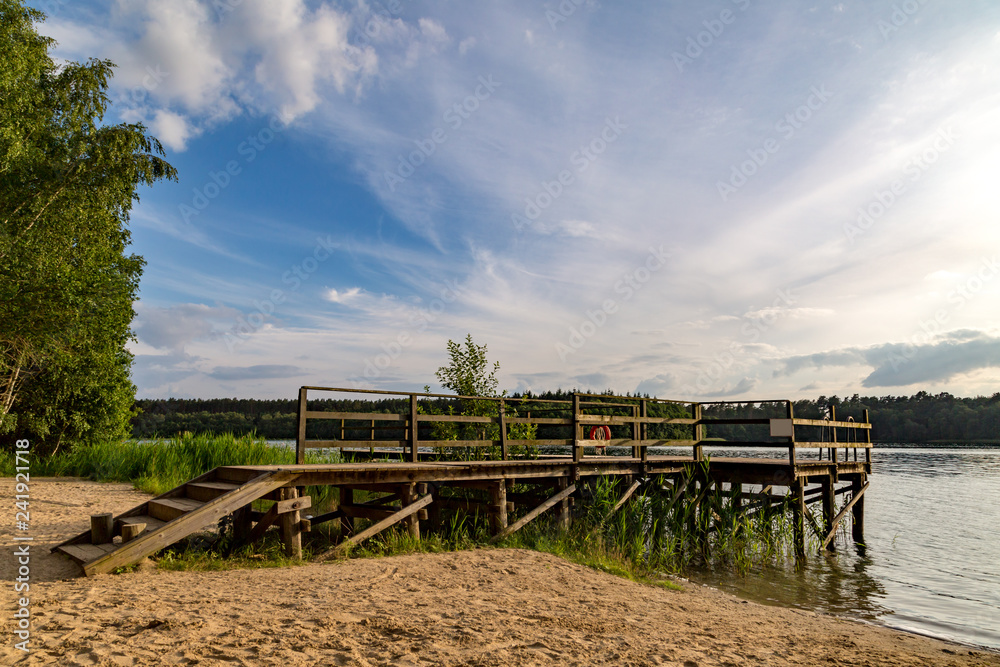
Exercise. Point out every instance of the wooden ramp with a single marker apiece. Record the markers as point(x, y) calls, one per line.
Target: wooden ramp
point(170, 517)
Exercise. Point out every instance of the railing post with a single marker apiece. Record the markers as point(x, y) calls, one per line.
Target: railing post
point(414, 427)
point(643, 433)
point(577, 451)
point(833, 435)
point(868, 441)
point(636, 428)
point(698, 431)
point(300, 430)
point(791, 440)
point(503, 432)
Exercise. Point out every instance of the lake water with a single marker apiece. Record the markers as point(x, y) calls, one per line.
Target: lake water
point(932, 562)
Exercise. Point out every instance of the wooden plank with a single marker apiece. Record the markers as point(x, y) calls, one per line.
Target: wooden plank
point(837, 424)
point(338, 444)
point(205, 491)
point(464, 419)
point(82, 553)
point(367, 512)
point(168, 509)
point(293, 504)
point(530, 516)
point(208, 513)
point(356, 416)
point(323, 518)
point(376, 529)
point(265, 522)
point(151, 523)
point(841, 515)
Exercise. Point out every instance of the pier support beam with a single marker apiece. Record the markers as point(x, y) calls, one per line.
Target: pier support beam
point(346, 522)
point(828, 507)
point(858, 523)
point(291, 528)
point(408, 496)
point(799, 516)
point(498, 507)
point(562, 511)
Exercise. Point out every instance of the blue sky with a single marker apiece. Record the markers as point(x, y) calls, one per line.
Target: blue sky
point(695, 200)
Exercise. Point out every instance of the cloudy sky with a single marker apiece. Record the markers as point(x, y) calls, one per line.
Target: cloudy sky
point(718, 199)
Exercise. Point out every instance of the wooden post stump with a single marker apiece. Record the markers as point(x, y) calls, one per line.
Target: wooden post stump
point(102, 528)
point(130, 531)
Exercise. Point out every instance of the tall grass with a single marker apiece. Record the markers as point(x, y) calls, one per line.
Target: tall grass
point(158, 465)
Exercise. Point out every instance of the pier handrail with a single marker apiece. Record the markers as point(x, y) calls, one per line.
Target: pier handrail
point(782, 430)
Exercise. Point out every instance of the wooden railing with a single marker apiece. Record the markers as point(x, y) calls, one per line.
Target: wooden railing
point(401, 431)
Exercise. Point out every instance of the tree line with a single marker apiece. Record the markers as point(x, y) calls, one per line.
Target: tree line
point(919, 418)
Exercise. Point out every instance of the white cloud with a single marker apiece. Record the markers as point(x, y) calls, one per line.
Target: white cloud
point(466, 45)
point(172, 129)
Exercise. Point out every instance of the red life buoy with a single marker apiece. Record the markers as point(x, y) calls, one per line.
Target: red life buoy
point(600, 433)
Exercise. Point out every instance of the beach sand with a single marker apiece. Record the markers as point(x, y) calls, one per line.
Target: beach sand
point(482, 607)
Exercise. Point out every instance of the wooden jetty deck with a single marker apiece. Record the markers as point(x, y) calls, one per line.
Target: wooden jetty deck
point(403, 460)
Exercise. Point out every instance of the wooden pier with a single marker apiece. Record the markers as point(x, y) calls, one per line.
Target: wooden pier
point(404, 450)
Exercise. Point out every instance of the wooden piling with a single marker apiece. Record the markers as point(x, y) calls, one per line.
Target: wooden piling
point(408, 496)
point(799, 516)
point(562, 513)
point(858, 511)
point(498, 507)
point(102, 528)
point(291, 528)
point(346, 522)
point(828, 505)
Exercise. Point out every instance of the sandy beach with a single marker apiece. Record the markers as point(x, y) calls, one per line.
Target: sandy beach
point(482, 607)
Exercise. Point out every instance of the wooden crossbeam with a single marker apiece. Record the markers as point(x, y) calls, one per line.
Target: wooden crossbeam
point(624, 499)
point(376, 529)
point(530, 516)
point(836, 521)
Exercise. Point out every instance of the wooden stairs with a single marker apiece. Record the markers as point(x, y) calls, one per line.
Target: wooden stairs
point(173, 516)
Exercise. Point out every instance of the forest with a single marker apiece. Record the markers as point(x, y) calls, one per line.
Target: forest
point(921, 418)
